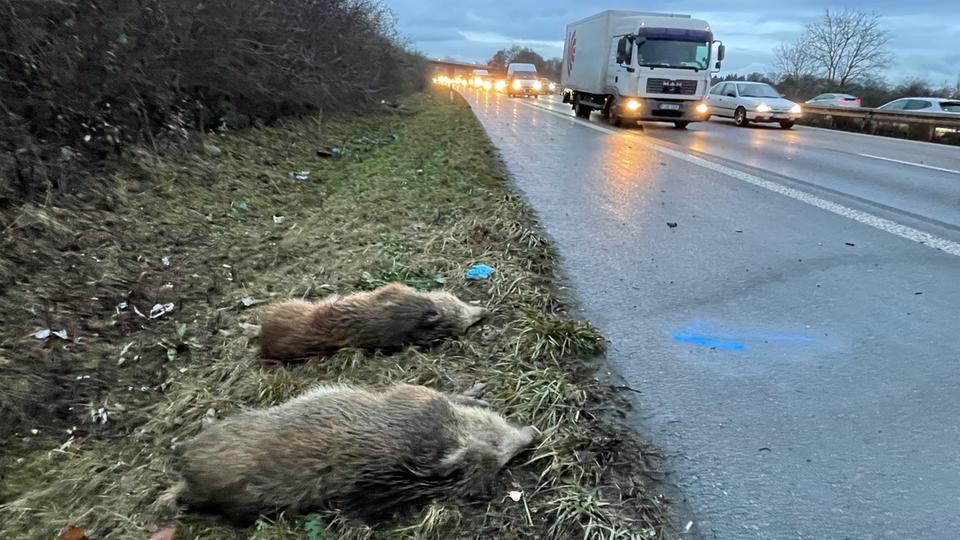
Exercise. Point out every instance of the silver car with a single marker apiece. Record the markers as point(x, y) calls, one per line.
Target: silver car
point(924, 105)
point(747, 102)
point(835, 100)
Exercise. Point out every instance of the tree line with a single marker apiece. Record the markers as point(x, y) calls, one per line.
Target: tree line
point(546, 67)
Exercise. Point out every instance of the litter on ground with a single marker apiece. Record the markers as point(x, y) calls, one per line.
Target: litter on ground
point(44, 333)
point(159, 310)
point(479, 271)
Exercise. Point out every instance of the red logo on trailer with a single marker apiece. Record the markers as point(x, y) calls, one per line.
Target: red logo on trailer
point(571, 50)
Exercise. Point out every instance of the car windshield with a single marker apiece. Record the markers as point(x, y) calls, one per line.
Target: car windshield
point(757, 90)
point(673, 54)
point(950, 106)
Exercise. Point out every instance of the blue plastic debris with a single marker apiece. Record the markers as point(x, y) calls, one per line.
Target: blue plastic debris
point(479, 271)
point(243, 206)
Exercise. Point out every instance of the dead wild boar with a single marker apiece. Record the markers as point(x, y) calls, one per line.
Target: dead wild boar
point(388, 318)
point(370, 455)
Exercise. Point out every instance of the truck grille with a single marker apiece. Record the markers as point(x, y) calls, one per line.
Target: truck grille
point(667, 86)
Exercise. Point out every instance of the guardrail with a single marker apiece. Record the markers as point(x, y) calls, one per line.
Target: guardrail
point(933, 127)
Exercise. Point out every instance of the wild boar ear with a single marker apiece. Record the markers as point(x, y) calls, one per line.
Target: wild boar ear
point(432, 315)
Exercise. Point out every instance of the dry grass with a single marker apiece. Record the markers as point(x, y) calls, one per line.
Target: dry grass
point(419, 210)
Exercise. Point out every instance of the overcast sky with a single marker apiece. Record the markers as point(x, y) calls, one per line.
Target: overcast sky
point(925, 34)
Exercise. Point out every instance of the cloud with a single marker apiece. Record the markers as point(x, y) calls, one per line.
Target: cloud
point(495, 38)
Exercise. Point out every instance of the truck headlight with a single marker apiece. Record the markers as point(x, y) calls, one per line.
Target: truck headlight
point(633, 105)
point(795, 109)
point(763, 107)
point(537, 85)
point(702, 108)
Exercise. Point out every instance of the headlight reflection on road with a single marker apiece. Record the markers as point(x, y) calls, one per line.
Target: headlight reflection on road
point(629, 171)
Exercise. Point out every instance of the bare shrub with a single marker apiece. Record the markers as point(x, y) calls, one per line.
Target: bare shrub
point(81, 80)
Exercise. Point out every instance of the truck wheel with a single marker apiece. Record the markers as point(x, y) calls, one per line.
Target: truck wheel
point(581, 110)
point(681, 125)
point(613, 118)
point(786, 125)
point(740, 117)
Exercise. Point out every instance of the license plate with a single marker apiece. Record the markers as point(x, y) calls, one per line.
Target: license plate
point(669, 107)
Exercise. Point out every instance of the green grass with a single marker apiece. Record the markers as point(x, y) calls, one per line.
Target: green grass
point(418, 197)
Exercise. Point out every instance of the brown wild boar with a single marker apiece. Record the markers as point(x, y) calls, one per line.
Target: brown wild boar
point(371, 455)
point(388, 318)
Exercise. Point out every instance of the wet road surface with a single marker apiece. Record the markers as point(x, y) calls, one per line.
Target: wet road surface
point(795, 338)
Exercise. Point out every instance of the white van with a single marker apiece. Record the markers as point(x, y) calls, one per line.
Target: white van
point(522, 80)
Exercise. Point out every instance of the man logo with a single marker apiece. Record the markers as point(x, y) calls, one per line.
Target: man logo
point(571, 50)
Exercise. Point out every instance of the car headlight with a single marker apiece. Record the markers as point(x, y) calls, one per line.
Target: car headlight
point(516, 84)
point(702, 108)
point(763, 107)
point(552, 86)
point(537, 85)
point(500, 85)
point(633, 105)
point(796, 109)
point(487, 85)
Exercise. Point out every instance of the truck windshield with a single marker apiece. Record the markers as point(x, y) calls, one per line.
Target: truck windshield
point(524, 74)
point(673, 54)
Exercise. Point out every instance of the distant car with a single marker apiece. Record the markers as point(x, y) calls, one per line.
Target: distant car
point(835, 100)
point(924, 105)
point(548, 87)
point(747, 102)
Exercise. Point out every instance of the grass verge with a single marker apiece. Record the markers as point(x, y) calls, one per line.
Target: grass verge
point(416, 195)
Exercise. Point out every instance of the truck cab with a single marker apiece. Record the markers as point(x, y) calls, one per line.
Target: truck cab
point(522, 80)
point(649, 67)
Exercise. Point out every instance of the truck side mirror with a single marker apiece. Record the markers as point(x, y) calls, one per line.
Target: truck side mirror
point(721, 53)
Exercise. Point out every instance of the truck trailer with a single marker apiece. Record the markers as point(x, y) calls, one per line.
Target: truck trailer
point(635, 66)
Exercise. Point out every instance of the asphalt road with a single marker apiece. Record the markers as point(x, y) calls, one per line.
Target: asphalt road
point(795, 339)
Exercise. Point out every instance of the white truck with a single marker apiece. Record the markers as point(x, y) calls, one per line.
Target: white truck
point(522, 80)
point(633, 66)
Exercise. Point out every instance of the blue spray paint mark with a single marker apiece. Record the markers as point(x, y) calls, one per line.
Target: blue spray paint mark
point(710, 342)
point(703, 333)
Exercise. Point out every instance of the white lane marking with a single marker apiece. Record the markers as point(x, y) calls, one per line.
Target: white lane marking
point(954, 171)
point(877, 222)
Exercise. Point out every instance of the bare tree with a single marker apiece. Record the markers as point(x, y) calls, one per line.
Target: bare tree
point(793, 60)
point(846, 45)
